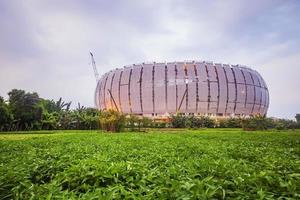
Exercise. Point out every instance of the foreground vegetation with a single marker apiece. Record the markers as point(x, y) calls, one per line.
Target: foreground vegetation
point(167, 164)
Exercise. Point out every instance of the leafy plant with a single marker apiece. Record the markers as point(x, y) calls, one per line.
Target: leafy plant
point(112, 121)
point(181, 164)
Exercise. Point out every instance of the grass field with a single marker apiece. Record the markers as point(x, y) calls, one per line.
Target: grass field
point(183, 164)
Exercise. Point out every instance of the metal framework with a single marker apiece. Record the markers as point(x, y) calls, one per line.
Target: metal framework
point(159, 89)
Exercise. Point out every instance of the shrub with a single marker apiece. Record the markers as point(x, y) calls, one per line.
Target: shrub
point(200, 122)
point(133, 122)
point(112, 120)
point(146, 122)
point(230, 122)
point(178, 121)
point(181, 121)
point(283, 124)
point(255, 123)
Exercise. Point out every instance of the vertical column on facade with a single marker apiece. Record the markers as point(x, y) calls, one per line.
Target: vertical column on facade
point(218, 81)
point(97, 94)
point(254, 92)
point(186, 86)
point(235, 85)
point(166, 86)
point(176, 88)
point(129, 94)
point(141, 81)
point(260, 87)
point(197, 86)
point(227, 88)
point(105, 92)
point(267, 102)
point(120, 79)
point(265, 89)
point(111, 84)
point(246, 88)
point(208, 86)
point(153, 74)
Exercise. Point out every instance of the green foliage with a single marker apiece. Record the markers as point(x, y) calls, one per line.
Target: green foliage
point(181, 121)
point(297, 118)
point(25, 109)
point(187, 164)
point(133, 122)
point(256, 123)
point(283, 124)
point(232, 122)
point(5, 115)
point(112, 121)
point(178, 121)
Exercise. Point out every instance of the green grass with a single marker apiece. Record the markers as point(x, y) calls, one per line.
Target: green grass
point(160, 164)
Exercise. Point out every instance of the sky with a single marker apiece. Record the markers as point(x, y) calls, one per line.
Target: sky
point(45, 44)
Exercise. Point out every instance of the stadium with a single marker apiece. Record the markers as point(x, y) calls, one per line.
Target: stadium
point(191, 88)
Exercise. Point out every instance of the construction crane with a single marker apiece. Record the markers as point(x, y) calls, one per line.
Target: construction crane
point(94, 67)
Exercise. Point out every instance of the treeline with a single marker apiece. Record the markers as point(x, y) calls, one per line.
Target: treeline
point(115, 122)
point(24, 111)
point(249, 123)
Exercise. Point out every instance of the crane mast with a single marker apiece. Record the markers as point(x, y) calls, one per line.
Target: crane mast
point(94, 67)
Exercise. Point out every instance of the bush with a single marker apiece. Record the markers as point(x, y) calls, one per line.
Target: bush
point(181, 121)
point(200, 122)
point(230, 122)
point(255, 123)
point(133, 123)
point(112, 121)
point(178, 121)
point(283, 124)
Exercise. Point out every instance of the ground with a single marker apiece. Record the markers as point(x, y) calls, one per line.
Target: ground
point(164, 164)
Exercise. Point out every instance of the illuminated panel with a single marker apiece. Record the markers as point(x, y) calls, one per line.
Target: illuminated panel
point(181, 87)
point(108, 99)
point(100, 99)
point(124, 93)
point(191, 88)
point(135, 90)
point(223, 88)
point(202, 88)
point(267, 102)
point(231, 90)
point(103, 81)
point(115, 88)
point(171, 88)
point(264, 94)
point(147, 89)
point(159, 88)
point(257, 93)
point(250, 92)
point(241, 91)
point(96, 97)
point(263, 101)
point(213, 88)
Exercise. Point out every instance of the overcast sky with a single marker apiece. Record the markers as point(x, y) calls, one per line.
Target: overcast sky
point(45, 44)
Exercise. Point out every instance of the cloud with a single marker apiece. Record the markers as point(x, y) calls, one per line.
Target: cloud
point(45, 44)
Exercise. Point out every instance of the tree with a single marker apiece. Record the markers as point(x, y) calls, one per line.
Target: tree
point(25, 108)
point(112, 121)
point(5, 115)
point(298, 118)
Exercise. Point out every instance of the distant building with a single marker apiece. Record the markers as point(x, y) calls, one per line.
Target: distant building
point(192, 88)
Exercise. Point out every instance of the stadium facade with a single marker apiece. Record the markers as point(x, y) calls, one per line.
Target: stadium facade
point(192, 88)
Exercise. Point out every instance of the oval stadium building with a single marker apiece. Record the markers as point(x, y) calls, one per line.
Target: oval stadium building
point(192, 88)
